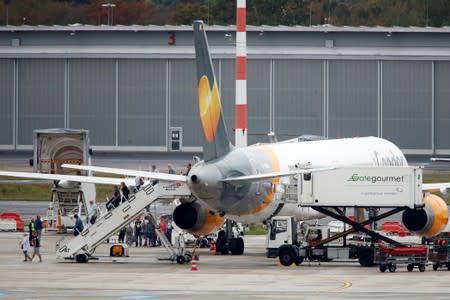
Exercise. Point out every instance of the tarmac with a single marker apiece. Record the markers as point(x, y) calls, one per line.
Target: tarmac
point(249, 276)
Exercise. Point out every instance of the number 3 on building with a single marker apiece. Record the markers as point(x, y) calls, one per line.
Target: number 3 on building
point(172, 40)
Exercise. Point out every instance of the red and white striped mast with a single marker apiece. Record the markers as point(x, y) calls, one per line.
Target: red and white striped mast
point(241, 75)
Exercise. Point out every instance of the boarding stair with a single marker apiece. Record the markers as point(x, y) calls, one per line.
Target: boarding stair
point(82, 246)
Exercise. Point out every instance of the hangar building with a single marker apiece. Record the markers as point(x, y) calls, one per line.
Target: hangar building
point(131, 86)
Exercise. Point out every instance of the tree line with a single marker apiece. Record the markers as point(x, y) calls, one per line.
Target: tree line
point(435, 13)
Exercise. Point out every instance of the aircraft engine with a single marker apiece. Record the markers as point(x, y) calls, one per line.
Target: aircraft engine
point(196, 218)
point(429, 220)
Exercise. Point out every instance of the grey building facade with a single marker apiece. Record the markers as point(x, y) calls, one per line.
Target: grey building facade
point(128, 85)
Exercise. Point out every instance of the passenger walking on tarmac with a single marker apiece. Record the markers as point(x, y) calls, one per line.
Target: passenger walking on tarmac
point(30, 229)
point(25, 246)
point(152, 234)
point(138, 232)
point(129, 237)
point(36, 243)
point(93, 212)
point(122, 235)
point(171, 169)
point(125, 191)
point(146, 232)
point(169, 229)
point(162, 227)
point(38, 226)
point(78, 228)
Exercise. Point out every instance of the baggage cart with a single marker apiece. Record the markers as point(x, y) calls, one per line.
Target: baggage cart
point(388, 257)
point(440, 256)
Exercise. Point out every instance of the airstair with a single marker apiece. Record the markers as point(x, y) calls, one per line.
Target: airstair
point(82, 246)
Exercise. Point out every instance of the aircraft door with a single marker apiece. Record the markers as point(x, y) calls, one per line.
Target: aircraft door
point(175, 138)
point(305, 193)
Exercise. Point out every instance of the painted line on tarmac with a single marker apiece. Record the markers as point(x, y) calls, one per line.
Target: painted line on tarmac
point(345, 285)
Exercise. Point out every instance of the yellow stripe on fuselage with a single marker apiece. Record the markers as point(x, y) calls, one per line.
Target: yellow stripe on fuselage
point(275, 168)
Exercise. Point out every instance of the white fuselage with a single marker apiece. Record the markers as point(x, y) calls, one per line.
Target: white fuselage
point(281, 157)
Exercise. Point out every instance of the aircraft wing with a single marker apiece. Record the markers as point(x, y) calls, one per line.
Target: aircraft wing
point(72, 178)
point(436, 187)
point(263, 176)
point(126, 172)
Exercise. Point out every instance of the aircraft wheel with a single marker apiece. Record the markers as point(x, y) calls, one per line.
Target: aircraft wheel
point(410, 267)
point(181, 260)
point(422, 268)
point(221, 246)
point(237, 246)
point(81, 258)
point(287, 257)
point(383, 268)
point(204, 243)
point(392, 268)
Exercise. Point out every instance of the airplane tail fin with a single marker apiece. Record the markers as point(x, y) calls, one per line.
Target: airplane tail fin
point(216, 142)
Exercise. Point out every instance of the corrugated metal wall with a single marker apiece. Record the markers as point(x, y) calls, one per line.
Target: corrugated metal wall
point(7, 101)
point(407, 103)
point(130, 103)
point(92, 99)
point(442, 104)
point(298, 97)
point(40, 96)
point(183, 101)
point(259, 100)
point(142, 107)
point(352, 98)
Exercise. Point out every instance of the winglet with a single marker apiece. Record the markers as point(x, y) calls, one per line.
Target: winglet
point(216, 142)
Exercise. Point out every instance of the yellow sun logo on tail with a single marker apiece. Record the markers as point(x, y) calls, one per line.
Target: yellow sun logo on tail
point(209, 103)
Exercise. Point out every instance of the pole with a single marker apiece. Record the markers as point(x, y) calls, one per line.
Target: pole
point(241, 75)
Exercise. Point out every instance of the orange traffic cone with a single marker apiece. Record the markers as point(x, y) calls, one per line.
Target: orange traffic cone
point(194, 265)
point(213, 247)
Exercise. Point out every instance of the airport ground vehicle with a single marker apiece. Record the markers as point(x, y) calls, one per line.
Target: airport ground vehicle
point(330, 193)
point(294, 242)
point(389, 257)
point(440, 251)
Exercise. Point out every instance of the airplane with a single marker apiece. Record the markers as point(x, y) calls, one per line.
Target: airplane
point(240, 184)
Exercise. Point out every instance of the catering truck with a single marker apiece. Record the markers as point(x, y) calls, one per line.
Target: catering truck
point(332, 192)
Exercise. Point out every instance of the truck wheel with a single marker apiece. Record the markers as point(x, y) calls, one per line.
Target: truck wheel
point(81, 258)
point(410, 267)
point(181, 259)
point(422, 268)
point(287, 257)
point(448, 266)
point(383, 268)
point(299, 261)
point(365, 257)
point(237, 246)
point(435, 267)
point(392, 268)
